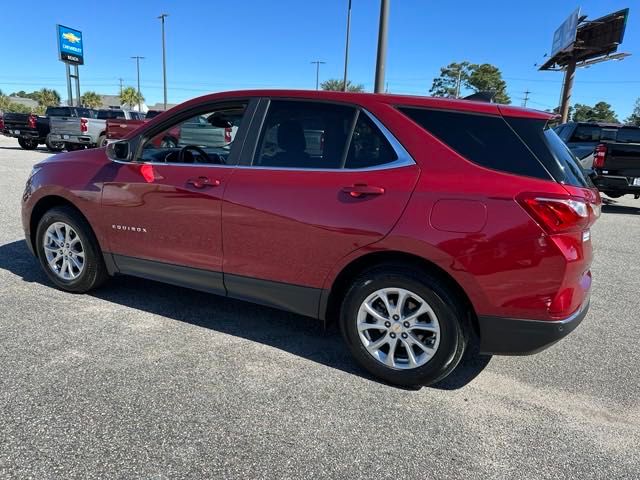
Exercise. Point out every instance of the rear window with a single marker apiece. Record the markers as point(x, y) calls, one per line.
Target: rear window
point(85, 112)
point(483, 139)
point(521, 146)
point(586, 133)
point(58, 112)
point(152, 113)
point(628, 135)
point(110, 114)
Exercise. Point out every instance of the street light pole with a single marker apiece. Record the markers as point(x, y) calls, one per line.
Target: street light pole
point(164, 60)
point(382, 46)
point(318, 63)
point(137, 59)
point(346, 49)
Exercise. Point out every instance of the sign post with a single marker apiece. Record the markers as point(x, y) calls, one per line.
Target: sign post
point(71, 52)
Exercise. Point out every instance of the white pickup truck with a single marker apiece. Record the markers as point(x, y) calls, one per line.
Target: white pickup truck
point(89, 132)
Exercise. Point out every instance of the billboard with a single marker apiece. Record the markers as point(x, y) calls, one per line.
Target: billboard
point(70, 49)
point(565, 34)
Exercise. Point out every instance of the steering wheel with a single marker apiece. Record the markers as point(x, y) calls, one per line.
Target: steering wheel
point(181, 156)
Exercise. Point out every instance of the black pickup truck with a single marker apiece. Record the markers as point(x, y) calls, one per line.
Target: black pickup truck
point(32, 130)
point(616, 164)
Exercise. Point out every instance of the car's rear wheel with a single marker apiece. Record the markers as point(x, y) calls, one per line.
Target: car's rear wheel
point(403, 325)
point(102, 141)
point(72, 147)
point(28, 143)
point(68, 251)
point(54, 146)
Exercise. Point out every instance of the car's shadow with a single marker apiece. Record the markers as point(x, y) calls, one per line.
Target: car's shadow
point(612, 206)
point(301, 336)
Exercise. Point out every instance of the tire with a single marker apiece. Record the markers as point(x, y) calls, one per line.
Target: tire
point(54, 146)
point(169, 142)
point(613, 195)
point(28, 143)
point(72, 147)
point(451, 317)
point(102, 141)
point(93, 272)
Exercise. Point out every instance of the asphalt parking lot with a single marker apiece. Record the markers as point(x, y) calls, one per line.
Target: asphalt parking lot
point(144, 380)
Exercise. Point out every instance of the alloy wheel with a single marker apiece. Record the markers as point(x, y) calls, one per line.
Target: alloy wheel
point(398, 328)
point(64, 251)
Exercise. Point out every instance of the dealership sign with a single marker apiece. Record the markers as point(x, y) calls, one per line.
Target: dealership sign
point(70, 49)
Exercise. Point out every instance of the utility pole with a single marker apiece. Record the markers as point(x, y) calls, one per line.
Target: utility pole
point(318, 63)
point(346, 49)
point(137, 59)
point(164, 60)
point(526, 98)
point(569, 75)
point(121, 80)
point(382, 46)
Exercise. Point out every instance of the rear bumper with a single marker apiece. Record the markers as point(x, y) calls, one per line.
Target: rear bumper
point(615, 183)
point(82, 139)
point(10, 132)
point(510, 336)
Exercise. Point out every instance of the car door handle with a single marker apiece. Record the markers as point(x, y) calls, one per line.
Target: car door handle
point(202, 182)
point(362, 189)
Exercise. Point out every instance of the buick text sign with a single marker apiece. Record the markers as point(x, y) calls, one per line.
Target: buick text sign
point(70, 45)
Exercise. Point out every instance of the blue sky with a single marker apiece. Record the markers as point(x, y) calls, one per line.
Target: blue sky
point(216, 45)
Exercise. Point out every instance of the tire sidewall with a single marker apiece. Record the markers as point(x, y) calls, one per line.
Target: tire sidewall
point(87, 278)
point(27, 143)
point(452, 341)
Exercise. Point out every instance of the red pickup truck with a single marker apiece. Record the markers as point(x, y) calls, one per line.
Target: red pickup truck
point(118, 129)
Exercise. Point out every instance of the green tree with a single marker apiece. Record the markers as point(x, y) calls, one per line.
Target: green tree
point(488, 78)
point(130, 97)
point(453, 78)
point(337, 85)
point(600, 112)
point(91, 100)
point(457, 77)
point(47, 97)
point(634, 118)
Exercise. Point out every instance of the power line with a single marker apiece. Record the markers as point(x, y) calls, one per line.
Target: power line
point(526, 97)
point(318, 63)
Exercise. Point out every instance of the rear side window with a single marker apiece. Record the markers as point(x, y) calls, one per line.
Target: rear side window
point(483, 139)
point(369, 147)
point(629, 135)
point(550, 150)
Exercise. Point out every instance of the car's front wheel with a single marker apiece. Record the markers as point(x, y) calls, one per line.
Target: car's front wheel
point(68, 251)
point(403, 325)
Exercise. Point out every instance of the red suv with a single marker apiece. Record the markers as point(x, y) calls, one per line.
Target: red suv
point(421, 224)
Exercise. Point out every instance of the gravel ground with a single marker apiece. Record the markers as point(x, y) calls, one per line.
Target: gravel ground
point(144, 380)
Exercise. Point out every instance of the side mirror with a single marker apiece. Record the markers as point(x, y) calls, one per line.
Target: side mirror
point(119, 151)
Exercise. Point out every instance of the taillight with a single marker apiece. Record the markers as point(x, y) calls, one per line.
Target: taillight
point(1, 123)
point(559, 214)
point(83, 125)
point(599, 156)
point(227, 135)
point(32, 121)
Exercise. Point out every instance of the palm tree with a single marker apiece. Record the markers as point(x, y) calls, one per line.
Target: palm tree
point(91, 100)
point(131, 97)
point(48, 97)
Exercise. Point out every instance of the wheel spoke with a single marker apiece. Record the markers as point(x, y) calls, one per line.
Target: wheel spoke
point(403, 295)
point(76, 263)
point(424, 308)
point(378, 317)
point(364, 326)
point(390, 360)
point(75, 240)
point(374, 346)
point(416, 341)
point(410, 354)
point(424, 327)
point(54, 261)
point(385, 299)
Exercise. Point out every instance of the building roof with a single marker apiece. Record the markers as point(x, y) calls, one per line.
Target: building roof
point(27, 102)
